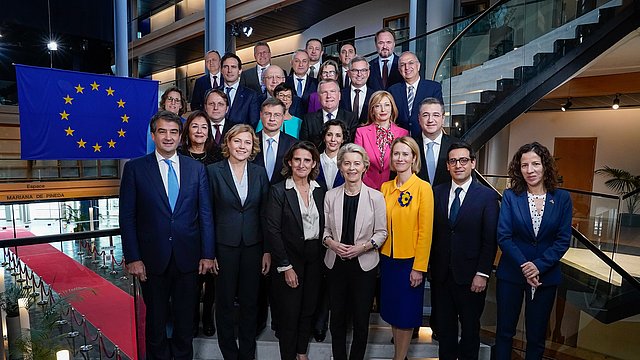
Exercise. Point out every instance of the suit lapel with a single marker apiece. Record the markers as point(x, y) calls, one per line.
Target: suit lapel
point(467, 203)
point(362, 211)
point(549, 213)
point(185, 176)
point(443, 203)
point(156, 179)
point(525, 214)
point(292, 199)
point(228, 178)
point(338, 214)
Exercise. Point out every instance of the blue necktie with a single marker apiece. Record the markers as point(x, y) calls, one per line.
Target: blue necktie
point(299, 89)
point(455, 206)
point(172, 184)
point(431, 162)
point(410, 97)
point(329, 116)
point(271, 157)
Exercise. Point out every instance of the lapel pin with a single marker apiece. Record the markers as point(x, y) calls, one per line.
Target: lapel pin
point(551, 201)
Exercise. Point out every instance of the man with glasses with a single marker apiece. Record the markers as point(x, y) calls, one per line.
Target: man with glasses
point(462, 253)
point(274, 76)
point(384, 68)
point(409, 93)
point(212, 79)
point(355, 97)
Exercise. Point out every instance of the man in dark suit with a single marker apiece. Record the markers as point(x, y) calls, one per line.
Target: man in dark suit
point(212, 79)
point(462, 253)
point(409, 93)
point(216, 105)
point(243, 102)
point(314, 49)
point(347, 52)
point(433, 142)
point(167, 236)
point(355, 97)
point(311, 128)
point(384, 68)
point(304, 84)
point(252, 78)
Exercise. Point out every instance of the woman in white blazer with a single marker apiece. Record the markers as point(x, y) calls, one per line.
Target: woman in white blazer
point(355, 227)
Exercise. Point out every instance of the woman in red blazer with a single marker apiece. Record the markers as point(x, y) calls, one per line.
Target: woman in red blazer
point(377, 135)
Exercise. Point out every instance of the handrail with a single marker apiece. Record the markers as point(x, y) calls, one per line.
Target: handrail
point(631, 193)
point(464, 31)
point(45, 239)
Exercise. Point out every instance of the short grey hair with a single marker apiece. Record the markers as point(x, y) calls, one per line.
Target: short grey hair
point(353, 148)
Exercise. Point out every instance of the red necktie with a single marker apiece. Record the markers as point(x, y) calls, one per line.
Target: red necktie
point(385, 73)
point(218, 135)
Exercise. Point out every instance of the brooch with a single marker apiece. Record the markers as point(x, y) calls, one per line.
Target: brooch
point(405, 198)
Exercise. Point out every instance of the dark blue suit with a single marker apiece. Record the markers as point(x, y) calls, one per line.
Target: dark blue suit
point(200, 88)
point(345, 104)
point(519, 245)
point(310, 86)
point(375, 77)
point(426, 88)
point(339, 180)
point(245, 108)
point(170, 244)
point(460, 250)
point(285, 143)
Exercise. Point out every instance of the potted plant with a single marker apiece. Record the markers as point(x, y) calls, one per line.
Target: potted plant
point(9, 303)
point(623, 182)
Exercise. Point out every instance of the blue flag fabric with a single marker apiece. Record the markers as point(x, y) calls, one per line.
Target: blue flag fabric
point(68, 115)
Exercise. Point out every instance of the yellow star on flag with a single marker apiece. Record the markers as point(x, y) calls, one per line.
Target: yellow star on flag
point(67, 99)
point(81, 143)
point(69, 131)
point(121, 133)
point(124, 118)
point(79, 89)
point(121, 103)
point(64, 115)
point(96, 147)
point(94, 85)
point(112, 144)
point(110, 91)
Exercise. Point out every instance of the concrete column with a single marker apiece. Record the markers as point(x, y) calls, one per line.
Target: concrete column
point(495, 154)
point(120, 39)
point(215, 15)
point(439, 13)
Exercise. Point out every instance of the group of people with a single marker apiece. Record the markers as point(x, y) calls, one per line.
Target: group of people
point(309, 190)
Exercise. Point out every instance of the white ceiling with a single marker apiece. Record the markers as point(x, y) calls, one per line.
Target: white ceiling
point(623, 57)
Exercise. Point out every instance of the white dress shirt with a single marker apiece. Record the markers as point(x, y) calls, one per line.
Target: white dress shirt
point(164, 169)
point(363, 94)
point(316, 70)
point(242, 185)
point(389, 64)
point(436, 147)
point(232, 93)
point(329, 168)
point(218, 78)
point(333, 113)
point(265, 145)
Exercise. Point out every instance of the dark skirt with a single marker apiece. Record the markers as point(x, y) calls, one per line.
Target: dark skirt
point(400, 304)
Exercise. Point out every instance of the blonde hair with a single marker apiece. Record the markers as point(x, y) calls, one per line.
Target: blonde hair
point(235, 131)
point(415, 149)
point(376, 98)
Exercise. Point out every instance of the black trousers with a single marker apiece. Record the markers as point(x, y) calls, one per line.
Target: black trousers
point(208, 297)
point(180, 288)
point(351, 292)
point(295, 307)
point(239, 275)
point(457, 303)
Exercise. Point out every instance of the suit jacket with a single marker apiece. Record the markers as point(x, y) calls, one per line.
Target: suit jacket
point(469, 244)
point(378, 172)
point(245, 108)
point(345, 103)
point(426, 88)
point(311, 128)
point(200, 88)
point(249, 79)
point(151, 232)
point(283, 226)
point(370, 224)
point(375, 77)
point(311, 86)
point(217, 148)
point(341, 82)
point(285, 143)
point(238, 224)
point(409, 227)
point(339, 180)
point(519, 244)
point(442, 174)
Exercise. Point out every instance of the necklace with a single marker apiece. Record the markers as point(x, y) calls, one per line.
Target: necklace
point(349, 193)
point(198, 156)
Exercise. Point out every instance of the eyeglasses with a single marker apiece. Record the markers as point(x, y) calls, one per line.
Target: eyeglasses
point(328, 73)
point(408, 63)
point(172, 99)
point(284, 96)
point(271, 77)
point(359, 71)
point(463, 161)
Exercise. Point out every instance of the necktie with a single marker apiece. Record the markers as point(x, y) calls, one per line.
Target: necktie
point(312, 71)
point(356, 103)
point(347, 80)
point(218, 135)
point(229, 88)
point(172, 184)
point(299, 88)
point(271, 157)
point(455, 206)
point(329, 116)
point(385, 73)
point(262, 87)
point(410, 97)
point(215, 82)
point(431, 162)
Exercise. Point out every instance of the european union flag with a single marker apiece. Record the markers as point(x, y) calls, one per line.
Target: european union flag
point(72, 115)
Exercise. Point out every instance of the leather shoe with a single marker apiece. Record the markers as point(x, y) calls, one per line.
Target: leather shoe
point(209, 330)
point(319, 336)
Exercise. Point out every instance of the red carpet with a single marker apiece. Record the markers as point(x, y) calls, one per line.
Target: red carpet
point(106, 306)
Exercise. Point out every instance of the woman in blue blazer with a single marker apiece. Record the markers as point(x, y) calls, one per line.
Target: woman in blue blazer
point(534, 230)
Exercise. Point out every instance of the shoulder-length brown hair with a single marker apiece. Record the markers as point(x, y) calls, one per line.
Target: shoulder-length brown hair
point(234, 131)
point(183, 101)
point(315, 156)
point(376, 98)
point(185, 141)
point(550, 176)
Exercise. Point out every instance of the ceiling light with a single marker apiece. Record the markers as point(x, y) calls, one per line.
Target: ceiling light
point(566, 105)
point(52, 45)
point(247, 30)
point(616, 103)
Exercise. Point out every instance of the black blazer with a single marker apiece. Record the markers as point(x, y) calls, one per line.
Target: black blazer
point(442, 174)
point(237, 224)
point(375, 77)
point(469, 244)
point(285, 143)
point(245, 108)
point(203, 84)
point(345, 103)
point(249, 79)
point(310, 86)
point(283, 226)
point(311, 127)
